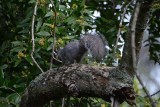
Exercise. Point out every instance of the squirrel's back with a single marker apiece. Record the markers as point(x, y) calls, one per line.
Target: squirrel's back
point(96, 45)
point(72, 52)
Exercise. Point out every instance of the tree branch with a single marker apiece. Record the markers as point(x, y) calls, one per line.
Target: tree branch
point(133, 27)
point(134, 56)
point(79, 81)
point(53, 33)
point(143, 16)
point(120, 25)
point(155, 93)
point(32, 34)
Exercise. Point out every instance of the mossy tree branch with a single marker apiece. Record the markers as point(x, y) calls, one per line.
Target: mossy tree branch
point(79, 81)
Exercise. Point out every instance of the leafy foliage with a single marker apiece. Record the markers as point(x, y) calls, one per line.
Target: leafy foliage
point(154, 38)
point(73, 18)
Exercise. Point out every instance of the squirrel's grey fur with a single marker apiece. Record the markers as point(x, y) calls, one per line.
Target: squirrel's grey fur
point(74, 51)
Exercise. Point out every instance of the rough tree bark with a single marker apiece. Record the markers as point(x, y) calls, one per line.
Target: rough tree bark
point(81, 80)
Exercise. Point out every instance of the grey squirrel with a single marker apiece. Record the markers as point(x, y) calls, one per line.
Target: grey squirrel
point(74, 51)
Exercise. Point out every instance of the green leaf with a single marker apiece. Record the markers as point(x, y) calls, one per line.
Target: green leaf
point(57, 31)
point(111, 30)
point(32, 1)
point(18, 43)
point(49, 25)
point(4, 66)
point(17, 49)
point(24, 21)
point(39, 24)
point(62, 7)
point(14, 98)
point(1, 76)
point(87, 12)
point(49, 48)
point(43, 33)
point(50, 39)
point(49, 14)
point(2, 73)
point(71, 20)
point(23, 31)
point(28, 59)
point(5, 104)
point(17, 63)
point(86, 24)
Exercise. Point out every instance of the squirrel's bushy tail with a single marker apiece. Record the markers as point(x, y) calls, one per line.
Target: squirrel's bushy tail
point(96, 45)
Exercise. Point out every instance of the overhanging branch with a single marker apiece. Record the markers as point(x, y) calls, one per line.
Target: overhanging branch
point(143, 16)
point(134, 56)
point(32, 34)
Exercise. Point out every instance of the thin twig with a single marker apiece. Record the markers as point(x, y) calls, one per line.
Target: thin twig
point(32, 33)
point(120, 25)
point(146, 91)
point(134, 57)
point(53, 33)
point(54, 42)
point(57, 59)
point(63, 102)
point(154, 93)
point(51, 103)
point(7, 88)
point(115, 102)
